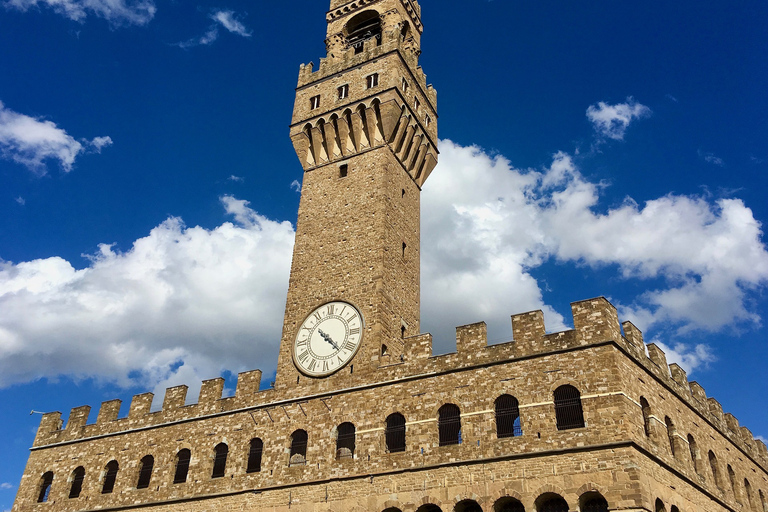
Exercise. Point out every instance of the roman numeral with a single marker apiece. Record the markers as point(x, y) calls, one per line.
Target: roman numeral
point(317, 316)
point(312, 364)
point(340, 360)
point(349, 345)
point(356, 330)
point(303, 356)
point(303, 342)
point(331, 309)
point(325, 366)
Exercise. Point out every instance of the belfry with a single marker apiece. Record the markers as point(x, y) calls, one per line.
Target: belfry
point(362, 416)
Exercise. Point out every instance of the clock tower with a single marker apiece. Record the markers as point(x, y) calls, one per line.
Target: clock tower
point(365, 130)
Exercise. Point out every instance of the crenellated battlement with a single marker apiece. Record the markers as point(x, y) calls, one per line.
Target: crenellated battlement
point(596, 323)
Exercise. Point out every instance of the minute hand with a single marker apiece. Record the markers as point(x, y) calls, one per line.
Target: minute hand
point(328, 338)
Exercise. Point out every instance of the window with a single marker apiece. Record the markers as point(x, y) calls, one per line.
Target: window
point(364, 26)
point(429, 121)
point(713, 467)
point(45, 487)
point(593, 502)
point(343, 91)
point(508, 504)
point(343, 171)
point(314, 102)
point(568, 409)
point(78, 475)
point(660, 506)
point(405, 85)
point(298, 448)
point(372, 81)
point(220, 453)
point(404, 248)
point(507, 417)
point(110, 477)
point(182, 466)
point(554, 504)
point(671, 432)
point(694, 449)
point(674, 509)
point(345, 441)
point(145, 473)
point(449, 425)
point(646, 408)
point(416, 104)
point(748, 492)
point(734, 487)
point(254, 455)
point(395, 433)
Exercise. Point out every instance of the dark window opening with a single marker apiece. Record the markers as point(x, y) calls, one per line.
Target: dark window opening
point(384, 350)
point(416, 104)
point(734, 487)
point(402, 331)
point(508, 505)
point(660, 506)
point(298, 448)
point(595, 504)
point(694, 452)
point(314, 102)
point(395, 433)
point(404, 248)
point(254, 456)
point(674, 509)
point(713, 467)
point(109, 479)
point(670, 434)
point(372, 81)
point(145, 473)
point(45, 487)
point(646, 409)
point(343, 91)
point(555, 504)
point(364, 26)
point(220, 453)
point(402, 194)
point(429, 121)
point(568, 410)
point(343, 171)
point(467, 506)
point(507, 417)
point(748, 493)
point(449, 425)
point(78, 476)
point(182, 466)
point(345, 441)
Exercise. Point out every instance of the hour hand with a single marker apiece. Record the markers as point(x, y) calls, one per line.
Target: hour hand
point(328, 338)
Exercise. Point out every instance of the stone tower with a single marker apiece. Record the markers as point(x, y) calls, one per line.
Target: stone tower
point(365, 130)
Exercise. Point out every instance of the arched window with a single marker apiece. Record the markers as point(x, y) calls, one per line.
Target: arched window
point(362, 27)
point(593, 502)
point(694, 449)
point(220, 453)
point(145, 473)
point(748, 492)
point(507, 417)
point(395, 433)
point(345, 441)
point(110, 477)
point(646, 408)
point(674, 509)
point(671, 431)
point(429, 507)
point(762, 501)
point(552, 503)
point(713, 467)
point(78, 476)
point(254, 456)
point(467, 506)
point(660, 506)
point(508, 504)
point(449, 425)
point(182, 466)
point(568, 409)
point(298, 448)
point(46, 481)
point(734, 486)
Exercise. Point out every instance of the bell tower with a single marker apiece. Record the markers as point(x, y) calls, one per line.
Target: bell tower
point(365, 130)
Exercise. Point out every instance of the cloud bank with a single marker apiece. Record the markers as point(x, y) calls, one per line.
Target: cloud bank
point(31, 142)
point(117, 12)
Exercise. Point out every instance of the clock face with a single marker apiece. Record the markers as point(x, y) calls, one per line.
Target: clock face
point(328, 339)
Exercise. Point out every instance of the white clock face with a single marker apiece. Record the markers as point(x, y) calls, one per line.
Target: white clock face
point(328, 339)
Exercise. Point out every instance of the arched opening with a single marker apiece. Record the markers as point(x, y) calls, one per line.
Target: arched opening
point(713, 467)
point(46, 481)
point(298, 448)
point(78, 476)
point(671, 432)
point(145, 472)
point(405, 30)
point(646, 408)
point(392, 509)
point(363, 27)
point(734, 485)
point(551, 502)
point(507, 417)
point(449, 425)
point(674, 509)
point(694, 449)
point(429, 507)
point(660, 506)
point(395, 433)
point(763, 503)
point(748, 493)
point(345, 441)
point(593, 502)
point(508, 504)
point(220, 453)
point(110, 477)
point(467, 506)
point(254, 456)
point(568, 409)
point(182, 466)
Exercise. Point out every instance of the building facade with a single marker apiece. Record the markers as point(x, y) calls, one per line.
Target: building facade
point(362, 417)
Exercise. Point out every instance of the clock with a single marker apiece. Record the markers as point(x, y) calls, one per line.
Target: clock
point(328, 339)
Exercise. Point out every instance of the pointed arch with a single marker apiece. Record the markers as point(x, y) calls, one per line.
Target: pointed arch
point(659, 507)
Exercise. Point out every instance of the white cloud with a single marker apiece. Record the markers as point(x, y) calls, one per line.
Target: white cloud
point(612, 121)
point(21, 201)
point(237, 179)
point(690, 358)
point(296, 186)
point(711, 158)
point(226, 19)
point(31, 142)
point(182, 302)
point(6, 486)
point(117, 12)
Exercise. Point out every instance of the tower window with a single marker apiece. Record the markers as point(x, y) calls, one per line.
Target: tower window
point(45, 487)
point(314, 102)
point(182, 466)
point(507, 417)
point(449, 425)
point(109, 479)
point(646, 410)
point(429, 121)
point(384, 350)
point(416, 104)
point(405, 85)
point(220, 460)
point(298, 448)
point(364, 26)
point(343, 91)
point(343, 171)
point(145, 473)
point(404, 248)
point(671, 433)
point(254, 455)
point(395, 433)
point(77, 482)
point(372, 81)
point(345, 441)
point(568, 409)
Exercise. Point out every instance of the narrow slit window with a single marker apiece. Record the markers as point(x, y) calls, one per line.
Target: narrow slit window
point(45, 487)
point(671, 433)
point(372, 81)
point(646, 410)
point(694, 449)
point(384, 350)
point(343, 171)
point(220, 460)
point(343, 91)
point(405, 85)
point(429, 121)
point(416, 105)
point(314, 102)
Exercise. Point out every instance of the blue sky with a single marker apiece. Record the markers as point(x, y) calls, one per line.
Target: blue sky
point(147, 186)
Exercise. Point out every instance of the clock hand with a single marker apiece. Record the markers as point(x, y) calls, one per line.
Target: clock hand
point(328, 338)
